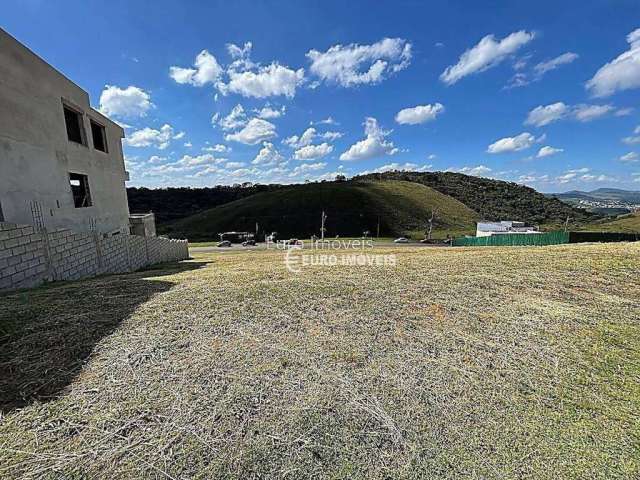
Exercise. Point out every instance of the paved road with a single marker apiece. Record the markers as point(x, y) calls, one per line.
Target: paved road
point(262, 246)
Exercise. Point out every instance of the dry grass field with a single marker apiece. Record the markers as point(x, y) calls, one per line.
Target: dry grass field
point(456, 363)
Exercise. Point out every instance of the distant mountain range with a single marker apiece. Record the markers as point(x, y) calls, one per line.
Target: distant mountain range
point(614, 194)
point(608, 201)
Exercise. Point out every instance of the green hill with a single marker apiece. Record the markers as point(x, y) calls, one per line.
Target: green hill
point(624, 223)
point(397, 207)
point(173, 203)
point(494, 199)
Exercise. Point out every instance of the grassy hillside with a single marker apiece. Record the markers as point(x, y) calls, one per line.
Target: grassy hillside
point(625, 223)
point(494, 199)
point(173, 203)
point(351, 208)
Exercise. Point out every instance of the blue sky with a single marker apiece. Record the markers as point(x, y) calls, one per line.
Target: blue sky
point(541, 93)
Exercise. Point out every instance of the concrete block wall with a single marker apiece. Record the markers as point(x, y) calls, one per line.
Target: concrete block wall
point(73, 255)
point(22, 257)
point(115, 258)
point(29, 258)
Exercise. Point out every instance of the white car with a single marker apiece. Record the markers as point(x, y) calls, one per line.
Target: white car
point(401, 240)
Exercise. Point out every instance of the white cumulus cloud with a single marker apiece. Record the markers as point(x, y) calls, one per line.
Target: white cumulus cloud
point(304, 150)
point(544, 115)
point(374, 145)
point(488, 53)
point(313, 152)
point(267, 81)
point(125, 102)
point(477, 171)
point(512, 144)
point(191, 161)
point(419, 114)
point(268, 155)
point(218, 148)
point(307, 168)
point(353, 64)
point(331, 136)
point(303, 140)
point(633, 139)
point(241, 76)
point(237, 118)
point(254, 132)
point(547, 151)
point(206, 69)
point(544, 67)
point(239, 53)
point(267, 112)
point(400, 167)
point(150, 137)
point(327, 121)
point(586, 113)
point(234, 165)
point(622, 73)
point(630, 157)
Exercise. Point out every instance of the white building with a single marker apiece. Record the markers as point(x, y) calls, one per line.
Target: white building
point(486, 229)
point(61, 162)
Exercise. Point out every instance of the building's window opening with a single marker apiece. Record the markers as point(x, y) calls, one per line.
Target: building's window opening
point(99, 136)
point(80, 189)
point(73, 120)
point(1, 214)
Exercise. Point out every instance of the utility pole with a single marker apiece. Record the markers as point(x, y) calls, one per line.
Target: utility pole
point(322, 229)
point(433, 214)
point(566, 224)
point(378, 231)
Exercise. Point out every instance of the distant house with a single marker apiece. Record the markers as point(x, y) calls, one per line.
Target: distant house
point(487, 229)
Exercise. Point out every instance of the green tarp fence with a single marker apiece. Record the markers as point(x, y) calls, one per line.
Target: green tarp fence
point(578, 237)
point(549, 238)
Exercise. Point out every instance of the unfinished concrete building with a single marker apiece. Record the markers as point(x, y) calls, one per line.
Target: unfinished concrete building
point(63, 202)
point(61, 162)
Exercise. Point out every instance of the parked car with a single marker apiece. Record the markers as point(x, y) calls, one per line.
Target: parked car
point(293, 242)
point(224, 243)
point(401, 240)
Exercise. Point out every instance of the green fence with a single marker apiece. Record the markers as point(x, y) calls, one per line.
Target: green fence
point(579, 237)
point(511, 239)
point(549, 238)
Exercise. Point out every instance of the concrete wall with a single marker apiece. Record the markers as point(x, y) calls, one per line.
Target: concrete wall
point(36, 156)
point(143, 224)
point(29, 258)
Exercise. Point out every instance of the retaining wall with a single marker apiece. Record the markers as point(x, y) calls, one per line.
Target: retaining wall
point(29, 258)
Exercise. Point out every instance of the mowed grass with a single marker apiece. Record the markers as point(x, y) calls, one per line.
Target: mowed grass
point(477, 363)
